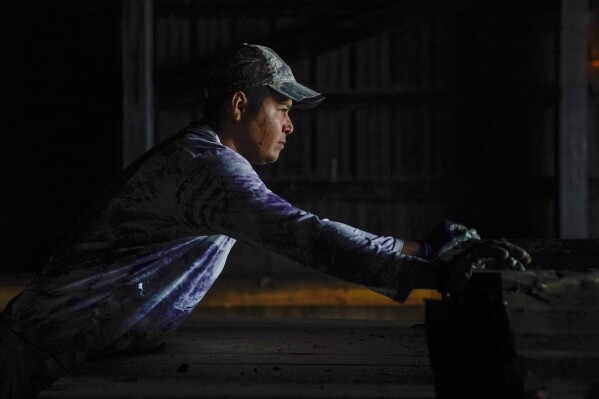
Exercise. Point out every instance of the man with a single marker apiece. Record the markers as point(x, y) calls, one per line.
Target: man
point(157, 239)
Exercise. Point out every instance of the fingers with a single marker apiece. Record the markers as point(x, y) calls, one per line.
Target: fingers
point(516, 252)
point(473, 234)
point(456, 227)
point(488, 250)
point(457, 266)
point(507, 264)
point(499, 254)
point(458, 240)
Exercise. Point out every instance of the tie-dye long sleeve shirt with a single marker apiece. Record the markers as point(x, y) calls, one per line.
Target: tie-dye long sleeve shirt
point(158, 238)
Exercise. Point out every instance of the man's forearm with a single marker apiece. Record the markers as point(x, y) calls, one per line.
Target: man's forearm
point(413, 248)
point(429, 276)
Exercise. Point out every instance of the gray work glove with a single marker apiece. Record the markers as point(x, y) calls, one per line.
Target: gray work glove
point(456, 266)
point(445, 236)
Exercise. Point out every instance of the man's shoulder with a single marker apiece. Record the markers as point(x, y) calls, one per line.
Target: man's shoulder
point(196, 140)
point(199, 140)
point(203, 149)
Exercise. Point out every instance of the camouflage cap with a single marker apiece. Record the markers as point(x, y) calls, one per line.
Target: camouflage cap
point(251, 65)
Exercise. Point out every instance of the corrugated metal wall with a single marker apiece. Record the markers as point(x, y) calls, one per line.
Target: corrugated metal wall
point(434, 109)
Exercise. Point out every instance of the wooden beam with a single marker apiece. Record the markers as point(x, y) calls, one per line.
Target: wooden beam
point(471, 351)
point(541, 94)
point(138, 88)
point(321, 36)
point(267, 8)
point(572, 153)
point(560, 254)
point(512, 332)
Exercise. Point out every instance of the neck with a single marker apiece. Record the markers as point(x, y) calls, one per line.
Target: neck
point(226, 136)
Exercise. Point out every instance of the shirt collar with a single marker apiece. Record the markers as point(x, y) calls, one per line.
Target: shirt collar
point(205, 129)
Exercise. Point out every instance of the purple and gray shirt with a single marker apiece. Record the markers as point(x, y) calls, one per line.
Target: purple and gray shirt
point(156, 241)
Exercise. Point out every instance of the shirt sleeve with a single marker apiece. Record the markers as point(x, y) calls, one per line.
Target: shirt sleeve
point(228, 197)
point(385, 242)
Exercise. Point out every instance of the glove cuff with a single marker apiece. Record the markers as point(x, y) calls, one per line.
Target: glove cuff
point(427, 248)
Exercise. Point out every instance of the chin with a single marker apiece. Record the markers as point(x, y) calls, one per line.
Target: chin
point(265, 161)
point(272, 158)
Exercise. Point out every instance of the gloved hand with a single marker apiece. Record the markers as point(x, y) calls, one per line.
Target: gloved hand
point(446, 236)
point(456, 266)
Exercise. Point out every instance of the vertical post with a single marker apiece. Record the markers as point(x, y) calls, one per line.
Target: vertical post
point(470, 344)
point(138, 87)
point(573, 165)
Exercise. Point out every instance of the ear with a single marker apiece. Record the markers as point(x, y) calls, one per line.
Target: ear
point(239, 103)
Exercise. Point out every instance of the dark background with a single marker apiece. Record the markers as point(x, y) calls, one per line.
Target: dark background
point(61, 120)
point(490, 113)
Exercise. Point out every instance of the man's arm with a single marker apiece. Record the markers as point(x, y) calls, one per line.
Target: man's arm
point(229, 198)
point(413, 248)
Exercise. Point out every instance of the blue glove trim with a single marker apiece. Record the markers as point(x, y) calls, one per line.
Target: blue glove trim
point(427, 248)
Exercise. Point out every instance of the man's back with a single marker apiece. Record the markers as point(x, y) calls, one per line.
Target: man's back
point(135, 266)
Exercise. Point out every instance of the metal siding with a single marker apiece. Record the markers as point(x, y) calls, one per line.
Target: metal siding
point(403, 105)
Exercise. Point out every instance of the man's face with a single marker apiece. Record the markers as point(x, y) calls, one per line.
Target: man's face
point(267, 129)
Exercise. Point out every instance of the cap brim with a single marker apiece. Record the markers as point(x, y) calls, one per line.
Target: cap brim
point(303, 97)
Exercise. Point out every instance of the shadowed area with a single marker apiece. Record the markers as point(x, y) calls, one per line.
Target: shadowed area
point(286, 358)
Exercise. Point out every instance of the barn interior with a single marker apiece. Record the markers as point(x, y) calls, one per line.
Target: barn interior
point(484, 113)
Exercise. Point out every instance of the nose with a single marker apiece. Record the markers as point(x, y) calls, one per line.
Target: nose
point(288, 126)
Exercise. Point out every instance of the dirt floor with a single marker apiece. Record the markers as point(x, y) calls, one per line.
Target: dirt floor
point(248, 357)
point(271, 339)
